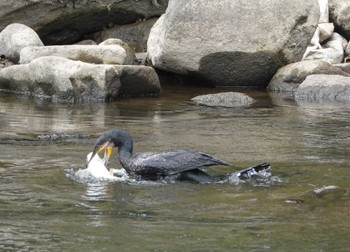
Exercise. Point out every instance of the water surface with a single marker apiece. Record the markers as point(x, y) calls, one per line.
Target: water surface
point(43, 209)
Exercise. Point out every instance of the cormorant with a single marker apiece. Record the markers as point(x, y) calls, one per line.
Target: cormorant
point(154, 165)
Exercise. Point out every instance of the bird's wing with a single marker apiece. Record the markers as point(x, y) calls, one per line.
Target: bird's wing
point(173, 161)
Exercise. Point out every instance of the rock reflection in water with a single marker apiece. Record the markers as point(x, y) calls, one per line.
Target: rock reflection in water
point(308, 147)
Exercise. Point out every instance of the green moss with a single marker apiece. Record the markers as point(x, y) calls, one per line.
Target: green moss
point(300, 21)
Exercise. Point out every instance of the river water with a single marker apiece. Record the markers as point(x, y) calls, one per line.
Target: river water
point(43, 208)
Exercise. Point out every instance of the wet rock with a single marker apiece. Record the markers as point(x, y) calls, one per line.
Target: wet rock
point(294, 201)
point(226, 99)
point(330, 192)
point(289, 77)
point(223, 43)
point(68, 21)
point(324, 88)
point(63, 80)
point(62, 136)
point(138, 81)
point(97, 54)
point(324, 190)
point(14, 38)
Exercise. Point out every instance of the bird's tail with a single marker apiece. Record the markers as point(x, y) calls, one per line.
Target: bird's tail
point(252, 170)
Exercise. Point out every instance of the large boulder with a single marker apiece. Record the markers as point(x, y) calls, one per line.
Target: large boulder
point(68, 21)
point(14, 38)
point(289, 77)
point(63, 80)
point(98, 54)
point(339, 14)
point(232, 43)
point(324, 88)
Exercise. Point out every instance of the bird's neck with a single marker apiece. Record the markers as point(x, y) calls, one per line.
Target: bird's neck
point(125, 149)
point(125, 154)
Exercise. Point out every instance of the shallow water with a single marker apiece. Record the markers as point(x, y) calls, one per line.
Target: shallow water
point(42, 208)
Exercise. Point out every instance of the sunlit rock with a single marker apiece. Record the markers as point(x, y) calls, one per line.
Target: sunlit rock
point(130, 58)
point(232, 43)
point(14, 38)
point(64, 80)
point(97, 54)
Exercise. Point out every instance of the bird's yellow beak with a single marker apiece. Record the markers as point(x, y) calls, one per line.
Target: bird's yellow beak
point(108, 153)
point(107, 147)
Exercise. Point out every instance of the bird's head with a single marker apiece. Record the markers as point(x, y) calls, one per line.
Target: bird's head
point(102, 143)
point(110, 139)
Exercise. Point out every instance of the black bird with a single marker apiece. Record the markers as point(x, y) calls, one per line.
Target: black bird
point(154, 165)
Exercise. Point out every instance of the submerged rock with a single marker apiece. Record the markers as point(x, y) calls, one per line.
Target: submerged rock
point(227, 99)
point(324, 190)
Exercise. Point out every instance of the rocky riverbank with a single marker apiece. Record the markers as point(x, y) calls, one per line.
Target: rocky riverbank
point(274, 44)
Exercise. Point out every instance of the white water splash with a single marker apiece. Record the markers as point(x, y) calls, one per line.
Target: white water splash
point(260, 178)
point(97, 170)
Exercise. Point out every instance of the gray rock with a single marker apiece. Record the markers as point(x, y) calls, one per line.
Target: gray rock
point(14, 38)
point(130, 55)
point(347, 50)
point(345, 67)
point(63, 80)
point(339, 14)
point(232, 43)
point(108, 54)
point(5, 62)
point(324, 88)
point(138, 81)
point(68, 21)
point(332, 51)
point(226, 99)
point(135, 34)
point(86, 42)
point(289, 77)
